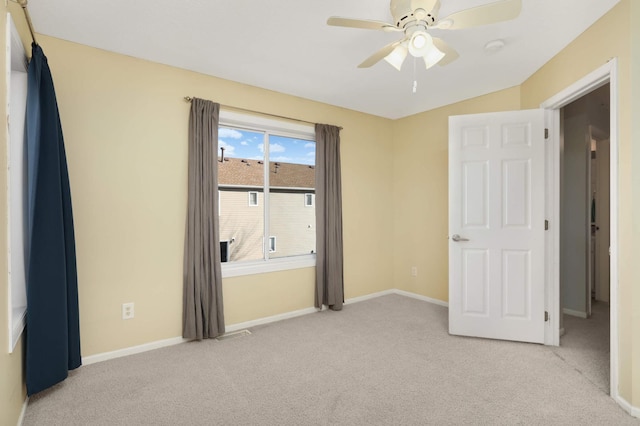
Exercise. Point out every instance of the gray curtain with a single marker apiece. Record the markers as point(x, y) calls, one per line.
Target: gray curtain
point(203, 315)
point(329, 259)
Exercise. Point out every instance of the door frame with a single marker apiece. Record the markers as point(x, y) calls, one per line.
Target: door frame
point(607, 73)
point(599, 136)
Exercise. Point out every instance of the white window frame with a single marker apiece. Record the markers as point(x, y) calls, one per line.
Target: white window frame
point(16, 99)
point(312, 197)
point(271, 126)
point(256, 195)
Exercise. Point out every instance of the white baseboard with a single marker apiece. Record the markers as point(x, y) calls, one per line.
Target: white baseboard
point(23, 411)
point(574, 313)
point(306, 311)
point(268, 320)
point(420, 297)
point(368, 297)
point(398, 292)
point(248, 324)
point(626, 406)
point(92, 359)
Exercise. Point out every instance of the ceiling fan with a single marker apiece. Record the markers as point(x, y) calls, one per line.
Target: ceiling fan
point(415, 18)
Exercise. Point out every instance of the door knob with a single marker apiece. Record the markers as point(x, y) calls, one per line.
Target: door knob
point(457, 238)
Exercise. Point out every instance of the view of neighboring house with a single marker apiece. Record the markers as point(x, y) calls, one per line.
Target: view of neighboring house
point(291, 205)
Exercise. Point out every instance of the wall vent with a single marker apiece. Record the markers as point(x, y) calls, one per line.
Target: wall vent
point(240, 333)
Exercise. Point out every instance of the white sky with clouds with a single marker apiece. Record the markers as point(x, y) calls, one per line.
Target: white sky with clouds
point(250, 145)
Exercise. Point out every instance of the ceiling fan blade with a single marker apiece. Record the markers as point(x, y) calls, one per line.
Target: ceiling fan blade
point(379, 55)
point(361, 23)
point(491, 13)
point(450, 53)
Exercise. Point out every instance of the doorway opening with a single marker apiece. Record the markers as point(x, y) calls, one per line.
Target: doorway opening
point(607, 74)
point(585, 234)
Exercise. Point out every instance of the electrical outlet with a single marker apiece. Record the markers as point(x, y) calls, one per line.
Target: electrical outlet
point(127, 311)
point(414, 271)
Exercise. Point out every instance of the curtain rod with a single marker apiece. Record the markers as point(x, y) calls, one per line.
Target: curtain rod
point(27, 16)
point(189, 98)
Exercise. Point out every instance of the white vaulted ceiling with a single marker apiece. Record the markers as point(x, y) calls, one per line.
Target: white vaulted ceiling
point(286, 46)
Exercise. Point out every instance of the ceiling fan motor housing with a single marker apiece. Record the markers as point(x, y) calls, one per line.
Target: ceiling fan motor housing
point(404, 12)
point(416, 17)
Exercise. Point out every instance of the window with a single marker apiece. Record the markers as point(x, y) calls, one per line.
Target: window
point(16, 99)
point(253, 198)
point(308, 200)
point(274, 163)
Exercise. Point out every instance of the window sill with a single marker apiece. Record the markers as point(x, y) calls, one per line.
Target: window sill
point(18, 322)
point(238, 269)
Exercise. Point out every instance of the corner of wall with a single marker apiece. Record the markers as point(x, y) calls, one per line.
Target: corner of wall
point(420, 193)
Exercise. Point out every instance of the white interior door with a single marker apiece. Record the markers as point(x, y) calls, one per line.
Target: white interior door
point(496, 225)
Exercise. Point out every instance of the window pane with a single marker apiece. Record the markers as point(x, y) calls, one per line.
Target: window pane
point(253, 198)
point(308, 200)
point(241, 185)
point(291, 178)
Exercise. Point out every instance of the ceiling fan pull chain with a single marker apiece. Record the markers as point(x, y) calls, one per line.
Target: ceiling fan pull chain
point(415, 77)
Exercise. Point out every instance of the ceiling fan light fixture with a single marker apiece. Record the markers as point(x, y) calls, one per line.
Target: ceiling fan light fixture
point(420, 43)
point(397, 56)
point(433, 56)
point(416, 18)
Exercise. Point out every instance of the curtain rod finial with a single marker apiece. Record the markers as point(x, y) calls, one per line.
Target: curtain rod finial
point(188, 98)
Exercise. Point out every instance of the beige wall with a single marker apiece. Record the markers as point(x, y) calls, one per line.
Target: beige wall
point(125, 127)
point(632, 283)
point(609, 37)
point(245, 300)
point(420, 192)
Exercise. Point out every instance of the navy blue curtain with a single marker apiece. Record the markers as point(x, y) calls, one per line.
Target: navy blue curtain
point(53, 330)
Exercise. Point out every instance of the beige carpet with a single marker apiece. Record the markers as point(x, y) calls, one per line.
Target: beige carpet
point(585, 345)
point(386, 361)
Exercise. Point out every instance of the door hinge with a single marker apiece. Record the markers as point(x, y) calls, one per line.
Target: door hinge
point(546, 316)
point(546, 133)
point(546, 225)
